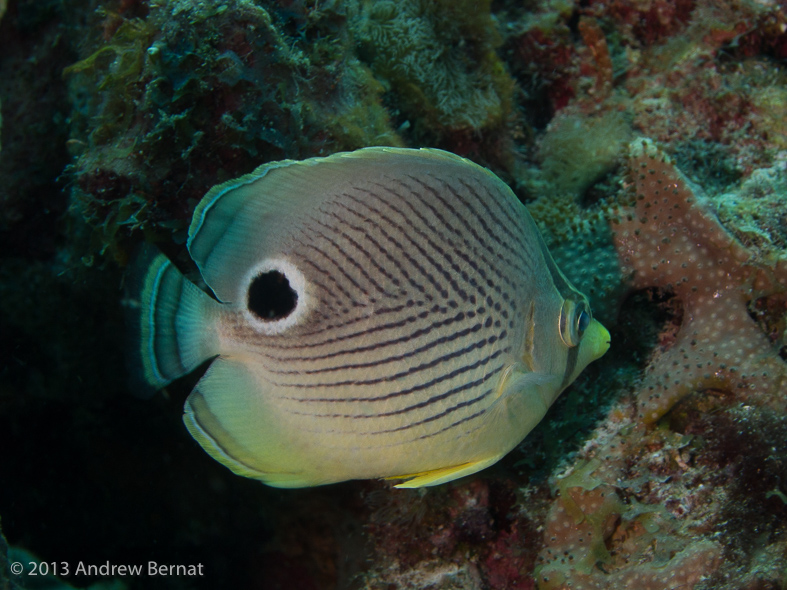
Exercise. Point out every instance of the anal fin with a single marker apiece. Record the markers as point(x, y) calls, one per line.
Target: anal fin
point(443, 474)
point(229, 414)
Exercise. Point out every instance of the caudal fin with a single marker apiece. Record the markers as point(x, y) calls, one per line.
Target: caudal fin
point(172, 324)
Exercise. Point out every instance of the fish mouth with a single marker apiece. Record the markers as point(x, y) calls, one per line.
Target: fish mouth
point(599, 339)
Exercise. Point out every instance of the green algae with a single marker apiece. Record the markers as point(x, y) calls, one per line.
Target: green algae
point(115, 71)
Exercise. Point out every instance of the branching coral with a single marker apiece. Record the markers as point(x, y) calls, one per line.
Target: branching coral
point(670, 241)
point(639, 506)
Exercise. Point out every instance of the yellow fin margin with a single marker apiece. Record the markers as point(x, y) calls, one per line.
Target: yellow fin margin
point(443, 474)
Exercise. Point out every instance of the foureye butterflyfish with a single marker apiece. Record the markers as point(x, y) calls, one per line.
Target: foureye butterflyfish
point(383, 313)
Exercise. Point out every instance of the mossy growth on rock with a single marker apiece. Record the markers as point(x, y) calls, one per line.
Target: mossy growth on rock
point(194, 94)
point(577, 151)
point(438, 59)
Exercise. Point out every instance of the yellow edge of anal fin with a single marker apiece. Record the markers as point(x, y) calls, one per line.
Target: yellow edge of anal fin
point(444, 474)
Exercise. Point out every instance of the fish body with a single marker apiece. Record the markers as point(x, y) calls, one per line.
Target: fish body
point(380, 313)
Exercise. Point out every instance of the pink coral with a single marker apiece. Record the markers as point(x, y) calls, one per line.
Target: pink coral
point(669, 240)
point(639, 506)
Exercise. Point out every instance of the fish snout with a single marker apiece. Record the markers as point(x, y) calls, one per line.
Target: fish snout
point(598, 339)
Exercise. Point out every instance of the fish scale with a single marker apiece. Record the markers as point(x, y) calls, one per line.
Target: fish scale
point(411, 322)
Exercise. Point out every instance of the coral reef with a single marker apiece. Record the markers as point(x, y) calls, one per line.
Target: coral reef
point(755, 212)
point(191, 94)
point(467, 536)
point(671, 508)
point(639, 506)
point(543, 59)
point(669, 241)
point(608, 527)
point(576, 152)
point(644, 505)
point(440, 57)
point(710, 91)
point(180, 95)
point(645, 22)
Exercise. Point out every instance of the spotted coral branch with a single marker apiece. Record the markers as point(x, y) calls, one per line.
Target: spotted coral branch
point(670, 240)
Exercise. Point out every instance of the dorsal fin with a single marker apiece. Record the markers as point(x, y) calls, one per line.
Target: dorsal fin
point(239, 222)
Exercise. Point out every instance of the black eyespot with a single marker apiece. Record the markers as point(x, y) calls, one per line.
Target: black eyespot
point(271, 297)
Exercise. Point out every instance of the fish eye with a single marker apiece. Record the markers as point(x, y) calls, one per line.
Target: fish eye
point(583, 321)
point(574, 320)
point(270, 296)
